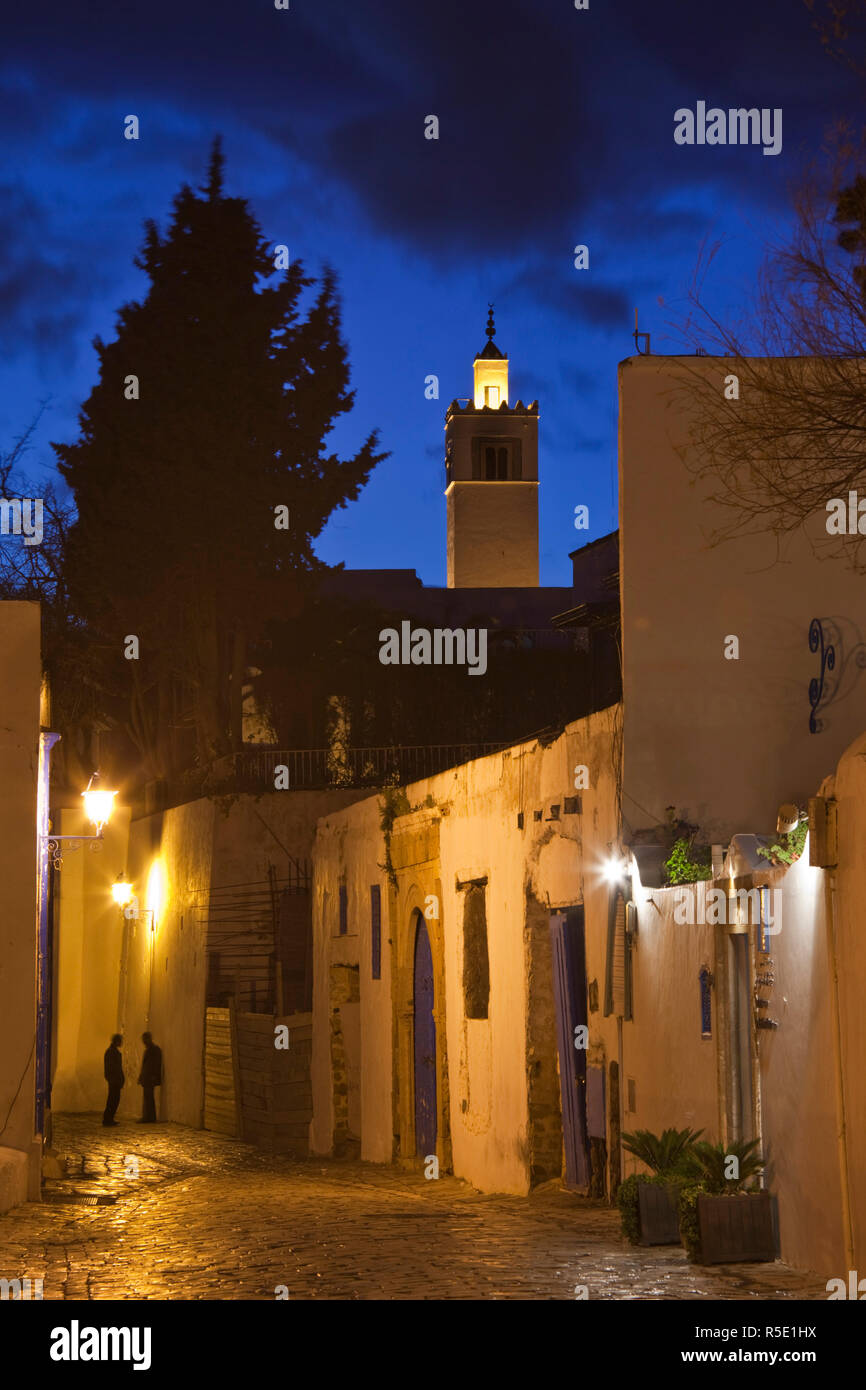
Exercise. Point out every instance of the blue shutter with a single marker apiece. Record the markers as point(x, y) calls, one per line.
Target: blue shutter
point(344, 909)
point(376, 931)
point(706, 1003)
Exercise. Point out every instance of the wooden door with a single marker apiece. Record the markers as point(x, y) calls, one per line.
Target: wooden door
point(425, 1045)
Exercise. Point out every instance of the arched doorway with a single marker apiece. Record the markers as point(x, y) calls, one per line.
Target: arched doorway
point(424, 1043)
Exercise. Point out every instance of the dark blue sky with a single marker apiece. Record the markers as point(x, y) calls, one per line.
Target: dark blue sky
point(556, 128)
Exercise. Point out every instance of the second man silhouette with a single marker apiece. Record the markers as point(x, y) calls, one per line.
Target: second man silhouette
point(149, 1078)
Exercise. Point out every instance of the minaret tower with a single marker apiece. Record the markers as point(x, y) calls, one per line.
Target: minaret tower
point(491, 467)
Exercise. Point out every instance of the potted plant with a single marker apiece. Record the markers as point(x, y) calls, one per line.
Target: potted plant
point(648, 1202)
point(725, 1217)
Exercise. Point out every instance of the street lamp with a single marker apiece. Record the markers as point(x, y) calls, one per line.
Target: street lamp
point(98, 806)
point(121, 891)
point(614, 869)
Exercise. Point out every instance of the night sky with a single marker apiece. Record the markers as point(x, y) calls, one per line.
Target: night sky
point(556, 128)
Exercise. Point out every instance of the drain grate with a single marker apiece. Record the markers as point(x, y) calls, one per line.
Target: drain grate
point(83, 1199)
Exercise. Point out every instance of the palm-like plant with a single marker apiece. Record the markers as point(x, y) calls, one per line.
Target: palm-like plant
point(664, 1153)
point(709, 1163)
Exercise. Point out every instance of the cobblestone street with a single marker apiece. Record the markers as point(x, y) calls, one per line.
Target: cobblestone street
point(196, 1216)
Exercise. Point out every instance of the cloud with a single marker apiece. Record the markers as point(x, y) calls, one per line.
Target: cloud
point(44, 291)
point(602, 306)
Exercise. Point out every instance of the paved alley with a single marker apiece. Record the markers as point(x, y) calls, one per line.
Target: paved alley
point(176, 1213)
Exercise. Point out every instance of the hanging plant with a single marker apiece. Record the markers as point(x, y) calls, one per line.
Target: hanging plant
point(788, 847)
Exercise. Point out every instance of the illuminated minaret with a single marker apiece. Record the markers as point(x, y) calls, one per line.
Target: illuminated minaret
point(491, 467)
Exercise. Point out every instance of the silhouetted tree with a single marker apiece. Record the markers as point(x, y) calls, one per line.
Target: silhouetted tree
point(795, 436)
point(211, 411)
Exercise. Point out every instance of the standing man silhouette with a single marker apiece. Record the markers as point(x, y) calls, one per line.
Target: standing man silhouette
point(151, 1076)
point(113, 1068)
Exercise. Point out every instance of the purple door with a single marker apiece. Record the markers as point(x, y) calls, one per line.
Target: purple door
point(425, 1045)
point(569, 987)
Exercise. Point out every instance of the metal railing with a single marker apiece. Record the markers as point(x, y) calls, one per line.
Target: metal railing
point(256, 771)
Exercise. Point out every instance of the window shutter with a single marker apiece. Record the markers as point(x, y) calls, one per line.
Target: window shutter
point(618, 972)
point(705, 979)
point(376, 931)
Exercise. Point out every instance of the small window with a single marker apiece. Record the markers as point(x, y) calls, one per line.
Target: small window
point(490, 463)
point(502, 464)
point(706, 980)
point(376, 931)
point(476, 963)
point(344, 909)
point(491, 396)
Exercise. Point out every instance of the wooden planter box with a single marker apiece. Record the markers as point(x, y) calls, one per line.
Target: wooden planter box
point(734, 1229)
point(657, 1207)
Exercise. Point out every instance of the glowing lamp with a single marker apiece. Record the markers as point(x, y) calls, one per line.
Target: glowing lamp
point(98, 803)
point(614, 869)
point(121, 891)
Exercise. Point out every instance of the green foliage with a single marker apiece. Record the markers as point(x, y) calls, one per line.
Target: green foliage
point(690, 1232)
point(706, 1164)
point(789, 846)
point(626, 1200)
point(664, 1153)
point(395, 803)
point(681, 868)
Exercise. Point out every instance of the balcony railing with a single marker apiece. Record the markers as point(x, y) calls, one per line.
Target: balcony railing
point(256, 771)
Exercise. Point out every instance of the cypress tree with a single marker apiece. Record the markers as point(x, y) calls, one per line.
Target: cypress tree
point(212, 408)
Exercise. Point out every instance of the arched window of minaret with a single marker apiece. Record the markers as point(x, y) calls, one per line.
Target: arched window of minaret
point(490, 463)
point(503, 464)
point(491, 396)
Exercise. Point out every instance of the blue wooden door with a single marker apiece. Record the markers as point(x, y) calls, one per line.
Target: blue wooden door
point(425, 1045)
point(569, 984)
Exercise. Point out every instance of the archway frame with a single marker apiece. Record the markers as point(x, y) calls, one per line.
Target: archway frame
point(407, 906)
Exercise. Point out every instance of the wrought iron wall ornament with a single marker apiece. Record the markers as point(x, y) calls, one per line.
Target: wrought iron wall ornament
point(54, 844)
point(816, 684)
point(843, 656)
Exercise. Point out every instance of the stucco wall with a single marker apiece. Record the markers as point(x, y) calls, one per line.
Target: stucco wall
point(20, 681)
point(472, 813)
point(683, 701)
point(850, 941)
point(87, 1001)
point(798, 1078)
point(674, 1069)
point(358, 831)
point(492, 535)
point(128, 975)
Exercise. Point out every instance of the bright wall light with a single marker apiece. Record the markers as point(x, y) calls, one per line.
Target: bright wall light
point(156, 889)
point(614, 869)
point(121, 891)
point(98, 803)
